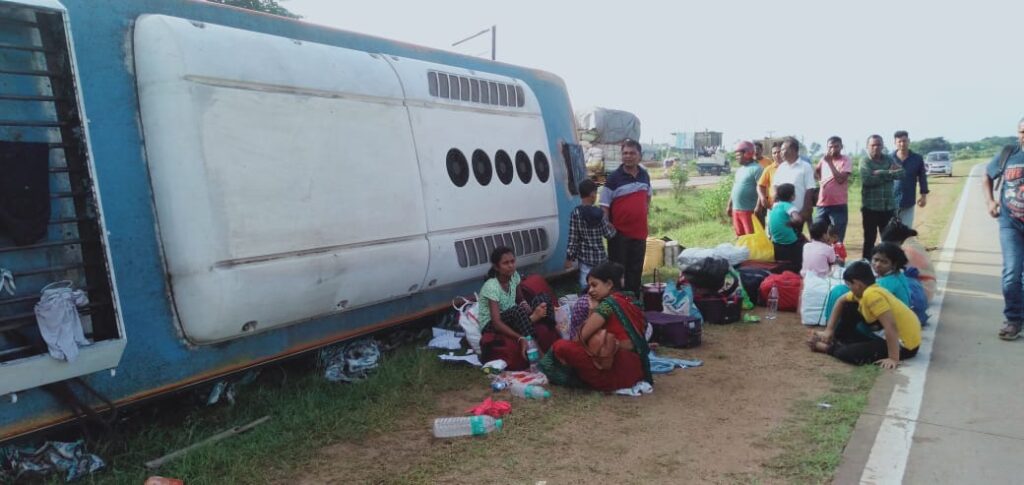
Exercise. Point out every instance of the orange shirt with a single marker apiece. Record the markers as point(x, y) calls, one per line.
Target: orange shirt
point(766, 182)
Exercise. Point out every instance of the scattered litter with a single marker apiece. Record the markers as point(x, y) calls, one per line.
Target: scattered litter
point(496, 366)
point(237, 430)
point(350, 362)
point(7, 282)
point(665, 365)
point(69, 459)
point(751, 318)
point(641, 388)
point(524, 377)
point(228, 388)
point(162, 481)
point(445, 339)
point(470, 358)
point(492, 408)
point(528, 391)
point(824, 405)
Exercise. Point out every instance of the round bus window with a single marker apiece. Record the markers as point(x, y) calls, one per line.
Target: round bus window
point(458, 167)
point(540, 161)
point(482, 167)
point(503, 165)
point(524, 168)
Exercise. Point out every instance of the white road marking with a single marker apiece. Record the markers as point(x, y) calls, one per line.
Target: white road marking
point(888, 459)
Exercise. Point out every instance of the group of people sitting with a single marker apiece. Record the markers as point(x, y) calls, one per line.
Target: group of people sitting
point(606, 349)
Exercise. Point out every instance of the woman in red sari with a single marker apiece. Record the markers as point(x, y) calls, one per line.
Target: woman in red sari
point(628, 361)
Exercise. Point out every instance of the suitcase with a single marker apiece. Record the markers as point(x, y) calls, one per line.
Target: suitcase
point(678, 331)
point(653, 294)
point(719, 307)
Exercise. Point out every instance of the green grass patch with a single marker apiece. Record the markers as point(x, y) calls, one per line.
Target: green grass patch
point(812, 439)
point(307, 412)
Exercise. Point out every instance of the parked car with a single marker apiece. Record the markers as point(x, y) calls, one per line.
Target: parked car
point(939, 163)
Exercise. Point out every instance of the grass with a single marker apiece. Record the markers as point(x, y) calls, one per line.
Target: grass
point(306, 412)
point(813, 438)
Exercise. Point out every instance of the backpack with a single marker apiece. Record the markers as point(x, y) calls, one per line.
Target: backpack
point(997, 183)
point(789, 284)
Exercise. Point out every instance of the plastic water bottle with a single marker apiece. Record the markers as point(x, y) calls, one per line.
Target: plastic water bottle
point(528, 391)
point(532, 353)
point(773, 303)
point(465, 426)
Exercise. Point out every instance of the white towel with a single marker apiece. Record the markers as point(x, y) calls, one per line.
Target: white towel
point(58, 320)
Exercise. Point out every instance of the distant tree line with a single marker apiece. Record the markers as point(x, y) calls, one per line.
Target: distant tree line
point(265, 6)
point(986, 147)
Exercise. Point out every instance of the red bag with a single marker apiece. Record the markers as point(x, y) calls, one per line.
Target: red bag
point(532, 286)
point(789, 284)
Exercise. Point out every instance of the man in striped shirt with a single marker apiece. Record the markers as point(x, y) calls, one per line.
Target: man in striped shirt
point(626, 199)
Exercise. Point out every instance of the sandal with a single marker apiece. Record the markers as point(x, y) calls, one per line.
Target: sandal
point(1010, 331)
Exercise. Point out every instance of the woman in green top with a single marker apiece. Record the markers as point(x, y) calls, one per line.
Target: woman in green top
point(505, 321)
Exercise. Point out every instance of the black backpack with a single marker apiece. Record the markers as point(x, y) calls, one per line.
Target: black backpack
point(997, 183)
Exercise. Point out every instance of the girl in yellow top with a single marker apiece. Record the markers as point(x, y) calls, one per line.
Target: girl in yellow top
point(891, 334)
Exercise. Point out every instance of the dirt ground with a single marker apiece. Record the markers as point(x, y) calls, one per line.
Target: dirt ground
point(710, 424)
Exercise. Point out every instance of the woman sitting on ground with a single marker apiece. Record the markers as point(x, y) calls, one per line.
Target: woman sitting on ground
point(888, 261)
point(504, 323)
point(610, 351)
point(892, 332)
point(783, 221)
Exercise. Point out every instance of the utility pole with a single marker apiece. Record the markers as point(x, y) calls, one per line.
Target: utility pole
point(494, 40)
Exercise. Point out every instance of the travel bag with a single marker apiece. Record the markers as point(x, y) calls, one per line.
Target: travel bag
point(680, 331)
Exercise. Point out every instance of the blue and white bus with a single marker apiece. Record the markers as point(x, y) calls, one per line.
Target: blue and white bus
point(231, 188)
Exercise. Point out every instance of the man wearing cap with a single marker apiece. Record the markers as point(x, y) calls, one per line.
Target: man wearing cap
point(744, 190)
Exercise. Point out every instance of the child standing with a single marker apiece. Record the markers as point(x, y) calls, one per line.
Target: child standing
point(782, 221)
point(819, 254)
point(587, 225)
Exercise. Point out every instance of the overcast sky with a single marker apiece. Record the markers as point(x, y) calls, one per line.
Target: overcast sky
point(809, 68)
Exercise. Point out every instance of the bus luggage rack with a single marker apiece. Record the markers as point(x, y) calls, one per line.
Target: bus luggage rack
point(37, 89)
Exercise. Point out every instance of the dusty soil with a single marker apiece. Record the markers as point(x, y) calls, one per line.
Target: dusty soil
point(705, 425)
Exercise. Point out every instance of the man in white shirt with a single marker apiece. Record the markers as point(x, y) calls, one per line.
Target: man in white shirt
point(794, 171)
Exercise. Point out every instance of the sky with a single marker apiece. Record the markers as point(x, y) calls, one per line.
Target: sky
point(747, 68)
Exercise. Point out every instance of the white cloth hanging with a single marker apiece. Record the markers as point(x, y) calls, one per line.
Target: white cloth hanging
point(59, 324)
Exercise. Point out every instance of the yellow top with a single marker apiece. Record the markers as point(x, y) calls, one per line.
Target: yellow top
point(766, 182)
point(878, 300)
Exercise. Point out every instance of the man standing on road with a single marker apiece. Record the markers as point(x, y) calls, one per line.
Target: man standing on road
point(765, 191)
point(1005, 173)
point(795, 171)
point(878, 201)
point(744, 190)
point(759, 157)
point(626, 199)
point(913, 173)
point(834, 171)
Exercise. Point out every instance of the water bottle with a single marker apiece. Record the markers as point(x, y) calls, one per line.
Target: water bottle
point(465, 426)
point(773, 303)
point(528, 391)
point(532, 353)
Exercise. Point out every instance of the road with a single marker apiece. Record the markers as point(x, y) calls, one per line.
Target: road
point(666, 184)
point(950, 414)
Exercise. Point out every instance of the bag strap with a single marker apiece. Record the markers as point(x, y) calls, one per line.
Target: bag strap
point(1003, 158)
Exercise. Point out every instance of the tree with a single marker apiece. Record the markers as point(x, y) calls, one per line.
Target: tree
point(814, 150)
point(265, 6)
point(931, 145)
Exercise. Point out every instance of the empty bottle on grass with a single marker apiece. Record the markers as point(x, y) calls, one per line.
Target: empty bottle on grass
point(465, 426)
point(532, 353)
point(528, 391)
point(773, 303)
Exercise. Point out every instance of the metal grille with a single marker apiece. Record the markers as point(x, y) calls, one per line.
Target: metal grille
point(37, 97)
point(473, 90)
point(477, 251)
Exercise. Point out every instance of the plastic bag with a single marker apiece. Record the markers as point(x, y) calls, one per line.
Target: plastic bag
point(814, 299)
point(678, 300)
point(760, 246)
point(562, 319)
point(469, 319)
